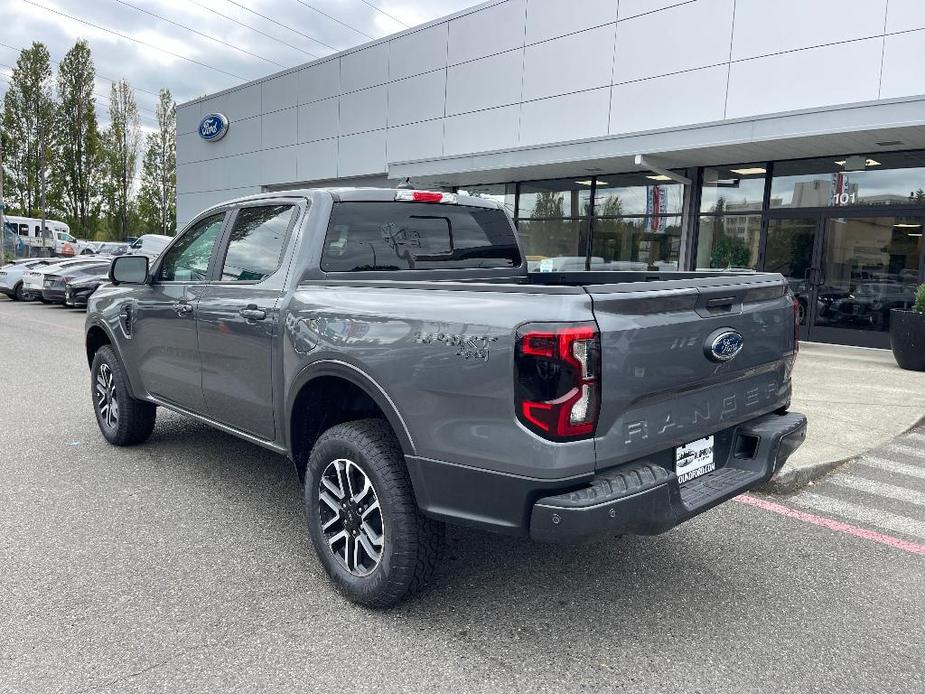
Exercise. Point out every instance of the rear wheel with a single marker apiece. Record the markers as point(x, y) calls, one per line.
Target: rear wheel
point(123, 420)
point(17, 292)
point(363, 519)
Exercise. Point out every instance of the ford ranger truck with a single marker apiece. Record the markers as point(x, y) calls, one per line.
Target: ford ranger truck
point(394, 346)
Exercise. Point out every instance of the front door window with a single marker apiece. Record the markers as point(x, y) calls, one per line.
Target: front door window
point(188, 259)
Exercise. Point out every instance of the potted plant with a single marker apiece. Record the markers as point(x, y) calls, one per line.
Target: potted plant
point(907, 333)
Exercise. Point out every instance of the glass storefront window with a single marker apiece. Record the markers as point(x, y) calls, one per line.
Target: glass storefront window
point(736, 188)
point(554, 245)
point(642, 243)
point(555, 199)
point(887, 179)
point(729, 241)
point(500, 192)
point(637, 194)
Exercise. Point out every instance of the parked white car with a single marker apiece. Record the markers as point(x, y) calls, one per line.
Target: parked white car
point(149, 245)
point(12, 275)
point(34, 280)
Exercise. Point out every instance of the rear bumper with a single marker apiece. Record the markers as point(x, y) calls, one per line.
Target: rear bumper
point(644, 498)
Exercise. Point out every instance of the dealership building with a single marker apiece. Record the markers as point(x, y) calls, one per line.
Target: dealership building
point(786, 136)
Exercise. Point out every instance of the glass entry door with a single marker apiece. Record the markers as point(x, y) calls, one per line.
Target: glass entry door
point(790, 249)
point(847, 273)
point(869, 266)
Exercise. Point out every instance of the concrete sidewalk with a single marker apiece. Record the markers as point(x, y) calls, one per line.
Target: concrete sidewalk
point(855, 399)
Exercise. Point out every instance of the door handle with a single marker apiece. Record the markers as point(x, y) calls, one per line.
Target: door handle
point(251, 312)
point(182, 308)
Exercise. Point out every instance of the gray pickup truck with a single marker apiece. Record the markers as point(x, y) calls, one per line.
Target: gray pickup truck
point(394, 346)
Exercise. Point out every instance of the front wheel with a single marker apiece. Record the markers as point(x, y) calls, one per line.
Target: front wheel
point(123, 420)
point(364, 522)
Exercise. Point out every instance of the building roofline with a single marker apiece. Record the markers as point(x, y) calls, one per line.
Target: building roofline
point(347, 51)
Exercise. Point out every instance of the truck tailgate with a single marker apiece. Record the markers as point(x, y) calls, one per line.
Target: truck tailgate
point(662, 385)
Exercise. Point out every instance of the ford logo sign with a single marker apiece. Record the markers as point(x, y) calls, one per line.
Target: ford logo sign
point(723, 345)
point(213, 127)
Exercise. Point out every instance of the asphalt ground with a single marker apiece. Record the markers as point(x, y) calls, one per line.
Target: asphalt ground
point(183, 565)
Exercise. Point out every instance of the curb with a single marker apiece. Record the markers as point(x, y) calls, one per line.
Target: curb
point(788, 481)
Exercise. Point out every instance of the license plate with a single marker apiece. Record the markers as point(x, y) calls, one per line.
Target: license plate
point(694, 459)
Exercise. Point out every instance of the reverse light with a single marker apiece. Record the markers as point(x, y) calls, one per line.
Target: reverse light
point(557, 379)
point(425, 196)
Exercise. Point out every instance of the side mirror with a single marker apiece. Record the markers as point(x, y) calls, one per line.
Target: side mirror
point(129, 269)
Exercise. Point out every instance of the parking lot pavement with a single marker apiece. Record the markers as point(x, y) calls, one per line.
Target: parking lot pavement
point(183, 565)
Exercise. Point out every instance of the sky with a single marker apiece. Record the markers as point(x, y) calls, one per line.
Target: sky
point(197, 47)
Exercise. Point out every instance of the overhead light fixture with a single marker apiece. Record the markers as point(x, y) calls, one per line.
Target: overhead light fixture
point(915, 235)
point(750, 171)
point(857, 163)
point(659, 177)
point(589, 182)
point(906, 225)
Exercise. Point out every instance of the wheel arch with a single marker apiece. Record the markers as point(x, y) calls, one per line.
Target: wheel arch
point(346, 393)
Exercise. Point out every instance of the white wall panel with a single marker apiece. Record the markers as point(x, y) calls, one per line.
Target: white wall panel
point(417, 98)
point(362, 154)
point(316, 160)
point(364, 68)
point(240, 171)
point(415, 141)
point(763, 27)
point(903, 65)
point(492, 30)
point(319, 81)
point(837, 74)
point(319, 120)
point(684, 37)
point(697, 96)
point(278, 165)
point(419, 52)
point(364, 110)
point(481, 131)
point(485, 83)
point(903, 15)
point(280, 92)
point(633, 8)
point(547, 19)
point(188, 118)
point(280, 128)
point(570, 117)
point(236, 105)
point(189, 177)
point(189, 148)
point(569, 64)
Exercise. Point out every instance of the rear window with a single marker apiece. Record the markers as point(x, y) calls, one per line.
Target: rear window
point(374, 236)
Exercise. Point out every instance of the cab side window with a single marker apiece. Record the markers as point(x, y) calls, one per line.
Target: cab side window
point(188, 259)
point(255, 246)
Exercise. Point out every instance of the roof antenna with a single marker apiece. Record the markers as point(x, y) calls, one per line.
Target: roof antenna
point(405, 185)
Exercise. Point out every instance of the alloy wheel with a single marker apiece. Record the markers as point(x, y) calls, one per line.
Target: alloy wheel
point(351, 518)
point(106, 402)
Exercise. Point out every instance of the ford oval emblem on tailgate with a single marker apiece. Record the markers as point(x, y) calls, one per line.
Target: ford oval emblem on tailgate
point(723, 344)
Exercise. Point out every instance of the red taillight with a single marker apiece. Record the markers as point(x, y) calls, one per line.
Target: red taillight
point(424, 196)
point(557, 371)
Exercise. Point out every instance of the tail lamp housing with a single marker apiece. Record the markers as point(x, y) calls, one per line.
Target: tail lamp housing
point(557, 370)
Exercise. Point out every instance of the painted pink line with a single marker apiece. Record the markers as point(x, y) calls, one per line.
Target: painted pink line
point(837, 526)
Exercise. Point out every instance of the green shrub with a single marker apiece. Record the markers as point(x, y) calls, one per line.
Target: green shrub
point(919, 305)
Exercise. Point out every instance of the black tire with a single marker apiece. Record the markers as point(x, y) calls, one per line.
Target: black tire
point(133, 420)
point(411, 543)
point(17, 292)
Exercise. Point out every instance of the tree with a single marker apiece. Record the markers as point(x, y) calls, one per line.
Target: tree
point(158, 199)
point(28, 113)
point(121, 140)
point(78, 165)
